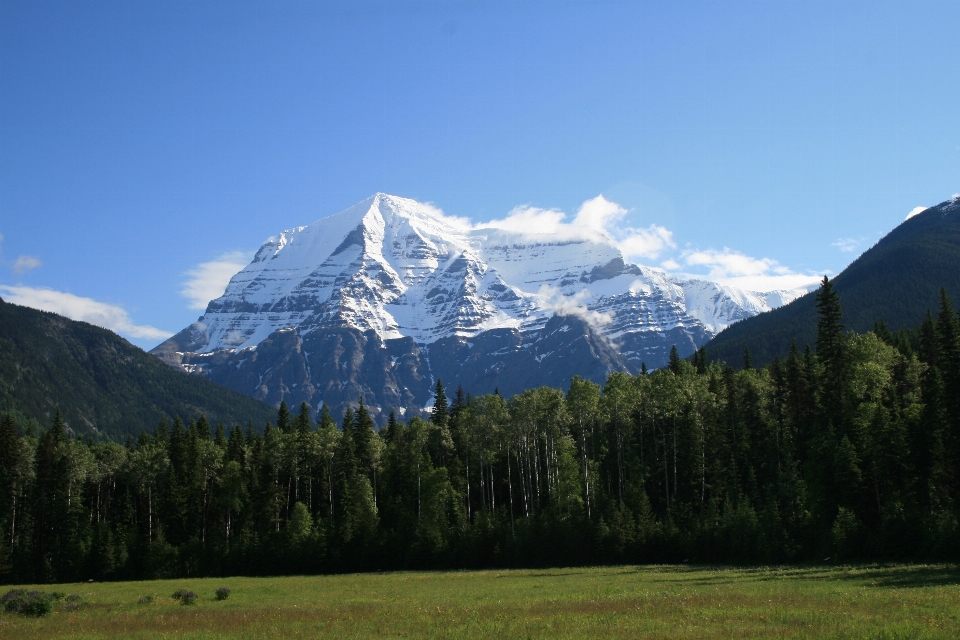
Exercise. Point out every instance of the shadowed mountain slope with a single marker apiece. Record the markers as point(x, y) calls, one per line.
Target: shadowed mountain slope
point(103, 384)
point(896, 280)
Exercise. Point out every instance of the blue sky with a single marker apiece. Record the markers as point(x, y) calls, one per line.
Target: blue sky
point(148, 148)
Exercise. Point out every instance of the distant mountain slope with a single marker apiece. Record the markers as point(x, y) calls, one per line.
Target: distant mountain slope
point(897, 280)
point(102, 383)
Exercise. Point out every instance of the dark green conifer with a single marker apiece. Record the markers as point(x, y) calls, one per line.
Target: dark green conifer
point(326, 420)
point(302, 421)
point(439, 415)
point(363, 435)
point(283, 417)
point(674, 360)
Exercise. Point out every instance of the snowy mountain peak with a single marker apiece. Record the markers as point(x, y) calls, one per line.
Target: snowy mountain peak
point(401, 268)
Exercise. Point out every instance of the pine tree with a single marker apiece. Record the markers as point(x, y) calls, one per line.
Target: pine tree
point(459, 403)
point(929, 341)
point(302, 421)
point(831, 350)
point(364, 436)
point(283, 418)
point(10, 464)
point(391, 429)
point(439, 415)
point(674, 360)
point(948, 334)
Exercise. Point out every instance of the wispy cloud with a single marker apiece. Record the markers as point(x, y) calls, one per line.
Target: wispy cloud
point(597, 218)
point(208, 280)
point(25, 263)
point(846, 244)
point(74, 307)
point(740, 270)
point(575, 305)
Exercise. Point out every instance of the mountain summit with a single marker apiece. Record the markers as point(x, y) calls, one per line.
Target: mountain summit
point(409, 294)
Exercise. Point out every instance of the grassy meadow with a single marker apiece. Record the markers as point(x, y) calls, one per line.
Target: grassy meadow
point(613, 602)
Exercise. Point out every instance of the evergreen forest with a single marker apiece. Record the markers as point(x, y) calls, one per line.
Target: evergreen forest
point(848, 449)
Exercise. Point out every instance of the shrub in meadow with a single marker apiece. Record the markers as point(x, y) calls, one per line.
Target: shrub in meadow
point(185, 597)
point(29, 603)
point(223, 593)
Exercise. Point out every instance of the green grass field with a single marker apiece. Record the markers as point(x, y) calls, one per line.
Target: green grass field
point(617, 602)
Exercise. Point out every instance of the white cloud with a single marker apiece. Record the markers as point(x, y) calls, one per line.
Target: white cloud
point(527, 219)
point(599, 214)
point(739, 270)
point(575, 305)
point(846, 244)
point(74, 307)
point(596, 219)
point(208, 280)
point(25, 263)
point(646, 243)
point(915, 211)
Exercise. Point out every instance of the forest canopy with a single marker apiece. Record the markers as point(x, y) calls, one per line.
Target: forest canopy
point(849, 450)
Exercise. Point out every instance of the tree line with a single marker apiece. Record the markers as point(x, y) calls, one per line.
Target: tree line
point(847, 451)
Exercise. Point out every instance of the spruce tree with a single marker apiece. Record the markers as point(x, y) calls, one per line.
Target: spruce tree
point(283, 417)
point(326, 420)
point(302, 421)
point(929, 341)
point(831, 351)
point(439, 415)
point(459, 403)
point(10, 463)
point(674, 360)
point(948, 334)
point(391, 429)
point(364, 435)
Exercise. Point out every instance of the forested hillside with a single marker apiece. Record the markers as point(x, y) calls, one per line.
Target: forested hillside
point(849, 451)
point(103, 385)
point(896, 280)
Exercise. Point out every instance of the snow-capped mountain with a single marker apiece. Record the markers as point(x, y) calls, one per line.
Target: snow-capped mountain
point(405, 279)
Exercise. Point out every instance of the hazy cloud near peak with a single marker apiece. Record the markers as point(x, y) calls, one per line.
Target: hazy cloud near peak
point(597, 218)
point(736, 269)
point(104, 315)
point(575, 305)
point(527, 219)
point(25, 263)
point(208, 280)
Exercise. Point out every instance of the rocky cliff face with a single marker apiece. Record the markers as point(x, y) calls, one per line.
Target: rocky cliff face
point(384, 298)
